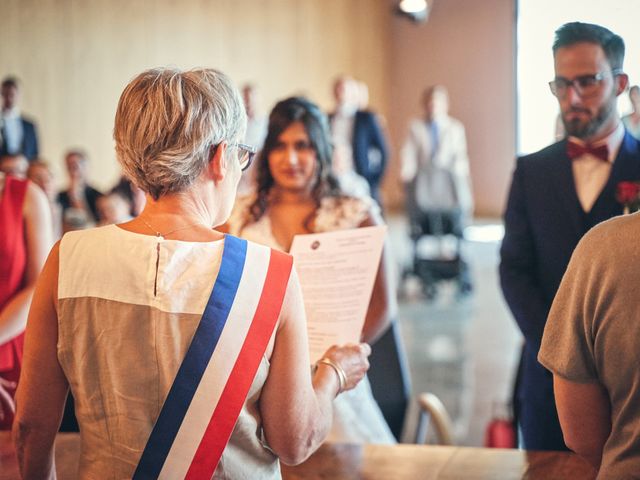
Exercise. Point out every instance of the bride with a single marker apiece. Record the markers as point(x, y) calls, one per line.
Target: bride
point(296, 193)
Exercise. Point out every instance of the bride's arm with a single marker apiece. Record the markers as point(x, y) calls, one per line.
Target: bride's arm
point(383, 304)
point(297, 409)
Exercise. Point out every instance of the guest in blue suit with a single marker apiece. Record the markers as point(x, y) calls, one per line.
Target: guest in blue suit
point(557, 195)
point(17, 134)
point(359, 143)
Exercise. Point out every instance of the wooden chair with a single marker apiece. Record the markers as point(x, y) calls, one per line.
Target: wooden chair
point(432, 411)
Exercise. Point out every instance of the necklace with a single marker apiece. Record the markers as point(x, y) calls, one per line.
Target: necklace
point(163, 235)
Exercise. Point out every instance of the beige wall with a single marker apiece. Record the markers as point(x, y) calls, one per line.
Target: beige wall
point(75, 56)
point(468, 46)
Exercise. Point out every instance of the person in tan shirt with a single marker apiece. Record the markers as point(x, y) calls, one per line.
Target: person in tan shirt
point(591, 344)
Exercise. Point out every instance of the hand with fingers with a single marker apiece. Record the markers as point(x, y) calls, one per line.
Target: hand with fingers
point(350, 363)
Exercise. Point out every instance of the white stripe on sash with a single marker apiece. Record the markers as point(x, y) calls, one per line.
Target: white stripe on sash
point(221, 364)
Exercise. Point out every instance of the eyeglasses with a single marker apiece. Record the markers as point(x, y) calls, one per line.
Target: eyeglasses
point(245, 154)
point(584, 85)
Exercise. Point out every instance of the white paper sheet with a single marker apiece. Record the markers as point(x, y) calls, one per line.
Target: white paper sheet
point(337, 271)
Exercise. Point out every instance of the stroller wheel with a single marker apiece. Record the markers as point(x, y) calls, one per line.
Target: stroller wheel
point(465, 287)
point(430, 291)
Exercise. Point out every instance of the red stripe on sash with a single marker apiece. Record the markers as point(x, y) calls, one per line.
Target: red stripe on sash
point(235, 391)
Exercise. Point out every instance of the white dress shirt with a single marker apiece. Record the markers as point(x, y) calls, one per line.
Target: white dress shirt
point(590, 174)
point(342, 123)
point(11, 130)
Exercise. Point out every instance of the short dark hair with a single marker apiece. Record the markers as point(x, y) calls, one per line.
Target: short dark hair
point(578, 32)
point(77, 152)
point(10, 81)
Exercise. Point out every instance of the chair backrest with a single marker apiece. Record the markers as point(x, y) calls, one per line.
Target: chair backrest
point(432, 411)
point(389, 378)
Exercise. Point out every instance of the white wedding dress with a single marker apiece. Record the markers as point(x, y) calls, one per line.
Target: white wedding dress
point(357, 417)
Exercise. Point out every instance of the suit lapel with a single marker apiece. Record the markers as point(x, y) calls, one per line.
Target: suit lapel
point(443, 152)
point(359, 166)
point(23, 143)
point(565, 188)
point(626, 167)
point(357, 126)
point(427, 148)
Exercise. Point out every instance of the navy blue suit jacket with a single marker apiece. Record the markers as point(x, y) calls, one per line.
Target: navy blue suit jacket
point(91, 196)
point(367, 139)
point(29, 147)
point(544, 222)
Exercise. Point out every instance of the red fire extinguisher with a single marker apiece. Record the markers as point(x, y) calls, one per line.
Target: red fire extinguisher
point(501, 431)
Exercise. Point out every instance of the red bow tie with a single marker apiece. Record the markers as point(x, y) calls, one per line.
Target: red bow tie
point(575, 150)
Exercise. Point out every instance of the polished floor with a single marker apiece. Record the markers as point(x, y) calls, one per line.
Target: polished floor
point(463, 348)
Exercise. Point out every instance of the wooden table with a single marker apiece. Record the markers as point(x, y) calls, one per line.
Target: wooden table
point(424, 462)
point(375, 462)
point(67, 454)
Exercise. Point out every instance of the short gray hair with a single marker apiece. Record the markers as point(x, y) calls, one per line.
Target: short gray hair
point(169, 120)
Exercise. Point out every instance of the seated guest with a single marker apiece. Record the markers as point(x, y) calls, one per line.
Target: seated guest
point(113, 208)
point(76, 219)
point(25, 239)
point(297, 194)
point(116, 309)
point(80, 197)
point(591, 346)
point(14, 165)
point(40, 174)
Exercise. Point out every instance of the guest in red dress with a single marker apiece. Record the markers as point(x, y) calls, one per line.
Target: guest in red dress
point(25, 239)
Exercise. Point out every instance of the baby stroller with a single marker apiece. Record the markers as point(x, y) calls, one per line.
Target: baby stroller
point(441, 260)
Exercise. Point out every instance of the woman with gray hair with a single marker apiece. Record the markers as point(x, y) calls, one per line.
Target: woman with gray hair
point(185, 349)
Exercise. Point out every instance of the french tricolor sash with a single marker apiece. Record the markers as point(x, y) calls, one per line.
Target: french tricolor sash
point(212, 383)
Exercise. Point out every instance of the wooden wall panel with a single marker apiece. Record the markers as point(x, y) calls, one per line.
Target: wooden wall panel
point(75, 56)
point(468, 46)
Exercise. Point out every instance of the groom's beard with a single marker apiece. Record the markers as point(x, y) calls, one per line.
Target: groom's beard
point(586, 128)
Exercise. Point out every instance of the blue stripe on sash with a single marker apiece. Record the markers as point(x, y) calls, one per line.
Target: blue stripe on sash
point(195, 361)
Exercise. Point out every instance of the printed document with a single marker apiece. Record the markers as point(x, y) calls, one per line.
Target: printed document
point(337, 271)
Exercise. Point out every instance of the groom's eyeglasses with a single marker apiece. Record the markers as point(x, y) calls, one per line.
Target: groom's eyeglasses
point(585, 85)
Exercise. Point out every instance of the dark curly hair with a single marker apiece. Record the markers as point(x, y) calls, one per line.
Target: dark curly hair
point(286, 112)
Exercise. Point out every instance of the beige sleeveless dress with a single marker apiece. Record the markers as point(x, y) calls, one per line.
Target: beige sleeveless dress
point(120, 346)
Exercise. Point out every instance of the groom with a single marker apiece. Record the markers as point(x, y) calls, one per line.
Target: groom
point(557, 195)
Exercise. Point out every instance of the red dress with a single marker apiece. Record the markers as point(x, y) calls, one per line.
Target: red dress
point(13, 263)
